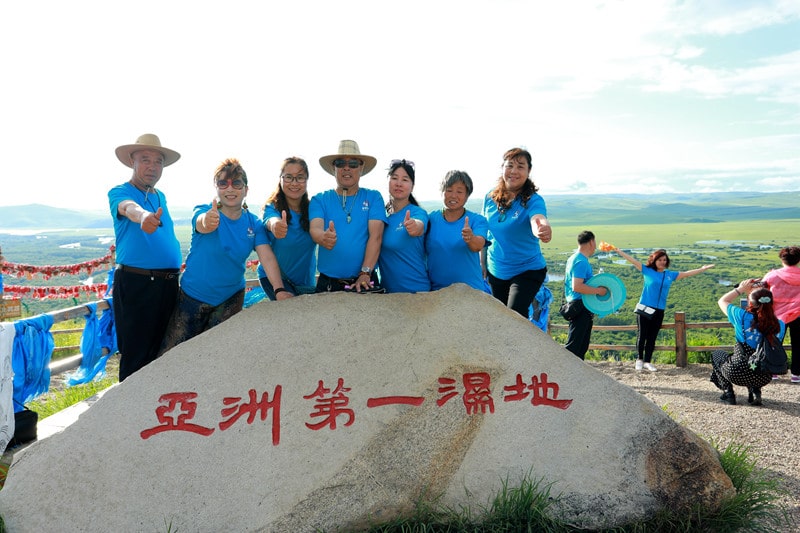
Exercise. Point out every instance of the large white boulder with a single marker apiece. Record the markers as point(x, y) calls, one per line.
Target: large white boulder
point(328, 411)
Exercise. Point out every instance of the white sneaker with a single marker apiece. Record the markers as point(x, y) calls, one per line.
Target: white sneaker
point(639, 364)
point(650, 366)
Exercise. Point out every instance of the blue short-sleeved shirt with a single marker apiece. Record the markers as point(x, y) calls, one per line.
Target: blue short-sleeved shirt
point(449, 258)
point(402, 263)
point(344, 260)
point(157, 250)
point(656, 287)
point(514, 248)
point(578, 266)
point(296, 253)
point(216, 262)
point(742, 322)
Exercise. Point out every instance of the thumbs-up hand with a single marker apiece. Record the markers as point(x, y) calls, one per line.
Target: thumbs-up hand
point(151, 221)
point(329, 237)
point(211, 220)
point(413, 226)
point(280, 227)
point(466, 231)
point(542, 229)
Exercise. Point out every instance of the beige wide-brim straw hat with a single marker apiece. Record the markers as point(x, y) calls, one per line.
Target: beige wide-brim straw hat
point(148, 141)
point(347, 148)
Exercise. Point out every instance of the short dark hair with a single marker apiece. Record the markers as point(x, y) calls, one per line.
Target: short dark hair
point(453, 177)
point(790, 255)
point(585, 236)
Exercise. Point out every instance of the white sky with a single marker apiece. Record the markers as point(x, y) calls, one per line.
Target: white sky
point(609, 96)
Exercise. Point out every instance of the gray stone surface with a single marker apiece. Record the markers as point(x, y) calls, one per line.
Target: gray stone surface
point(612, 455)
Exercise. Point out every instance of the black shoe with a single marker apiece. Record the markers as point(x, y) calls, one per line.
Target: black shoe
point(729, 398)
point(756, 397)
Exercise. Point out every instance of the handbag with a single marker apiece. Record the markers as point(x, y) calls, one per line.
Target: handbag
point(571, 309)
point(769, 358)
point(644, 310)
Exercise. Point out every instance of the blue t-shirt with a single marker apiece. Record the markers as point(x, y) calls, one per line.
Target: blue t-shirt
point(345, 260)
point(514, 248)
point(216, 262)
point(577, 267)
point(742, 322)
point(449, 258)
point(402, 261)
point(135, 248)
point(296, 253)
point(656, 287)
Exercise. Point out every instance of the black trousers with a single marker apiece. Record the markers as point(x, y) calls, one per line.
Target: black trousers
point(648, 332)
point(518, 292)
point(580, 332)
point(793, 328)
point(142, 309)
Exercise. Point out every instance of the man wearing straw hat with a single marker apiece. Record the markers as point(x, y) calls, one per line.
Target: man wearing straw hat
point(347, 223)
point(148, 254)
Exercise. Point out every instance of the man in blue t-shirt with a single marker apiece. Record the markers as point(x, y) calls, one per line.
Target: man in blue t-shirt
point(148, 254)
point(347, 223)
point(578, 272)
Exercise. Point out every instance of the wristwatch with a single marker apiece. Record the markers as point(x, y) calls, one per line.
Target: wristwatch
point(366, 270)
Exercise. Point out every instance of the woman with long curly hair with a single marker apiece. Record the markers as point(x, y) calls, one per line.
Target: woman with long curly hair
point(751, 324)
point(517, 216)
point(650, 310)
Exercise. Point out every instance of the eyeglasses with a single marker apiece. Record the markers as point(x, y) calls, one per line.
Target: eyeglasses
point(401, 162)
point(352, 163)
point(236, 183)
point(288, 178)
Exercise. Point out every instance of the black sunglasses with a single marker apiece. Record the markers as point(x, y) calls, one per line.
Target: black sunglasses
point(352, 163)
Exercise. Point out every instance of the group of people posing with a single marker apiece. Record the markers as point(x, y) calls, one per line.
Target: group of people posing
point(348, 235)
point(348, 239)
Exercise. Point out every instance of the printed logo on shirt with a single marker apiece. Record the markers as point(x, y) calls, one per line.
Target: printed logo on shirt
point(365, 205)
point(250, 233)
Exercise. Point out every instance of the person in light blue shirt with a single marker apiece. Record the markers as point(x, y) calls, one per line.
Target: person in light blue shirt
point(750, 325)
point(224, 235)
point(653, 301)
point(287, 222)
point(402, 263)
point(347, 223)
point(148, 254)
point(456, 237)
point(578, 272)
point(517, 216)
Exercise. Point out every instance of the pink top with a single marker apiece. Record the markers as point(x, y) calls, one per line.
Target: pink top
point(785, 286)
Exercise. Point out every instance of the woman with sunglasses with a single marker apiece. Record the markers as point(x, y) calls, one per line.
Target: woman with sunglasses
point(456, 237)
point(517, 216)
point(287, 223)
point(657, 280)
point(224, 235)
point(402, 261)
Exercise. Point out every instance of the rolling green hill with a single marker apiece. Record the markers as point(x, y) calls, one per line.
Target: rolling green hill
point(562, 209)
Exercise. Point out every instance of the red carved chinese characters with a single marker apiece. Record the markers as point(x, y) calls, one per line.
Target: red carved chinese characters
point(540, 388)
point(330, 405)
point(173, 416)
point(178, 408)
point(251, 408)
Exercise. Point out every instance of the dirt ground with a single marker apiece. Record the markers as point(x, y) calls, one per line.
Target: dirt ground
point(771, 430)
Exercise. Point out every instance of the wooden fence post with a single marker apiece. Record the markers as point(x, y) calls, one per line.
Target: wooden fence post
point(680, 339)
